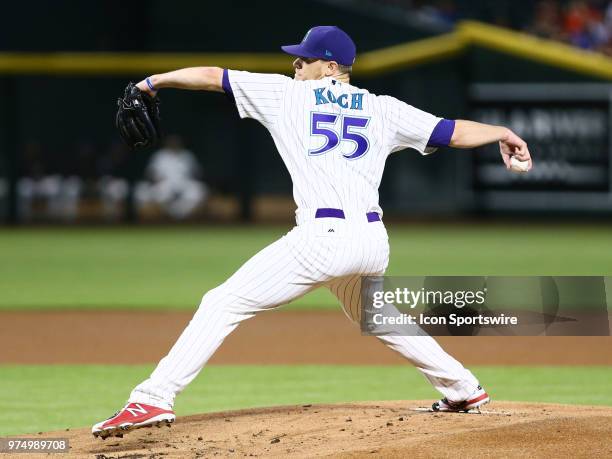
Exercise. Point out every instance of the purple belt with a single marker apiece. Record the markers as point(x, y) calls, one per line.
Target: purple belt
point(339, 213)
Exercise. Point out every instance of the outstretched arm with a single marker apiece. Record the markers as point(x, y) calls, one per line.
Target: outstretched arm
point(470, 134)
point(194, 78)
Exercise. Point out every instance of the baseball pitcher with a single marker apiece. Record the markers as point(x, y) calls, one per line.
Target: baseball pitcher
point(334, 139)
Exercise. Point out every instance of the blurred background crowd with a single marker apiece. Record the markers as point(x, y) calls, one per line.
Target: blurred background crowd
point(586, 24)
point(95, 182)
point(211, 167)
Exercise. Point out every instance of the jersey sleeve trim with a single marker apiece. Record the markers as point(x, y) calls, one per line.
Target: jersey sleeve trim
point(442, 134)
point(227, 86)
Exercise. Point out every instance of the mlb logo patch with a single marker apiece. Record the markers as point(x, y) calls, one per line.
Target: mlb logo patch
point(328, 53)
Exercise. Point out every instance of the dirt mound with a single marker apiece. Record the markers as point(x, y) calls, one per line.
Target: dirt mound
point(373, 429)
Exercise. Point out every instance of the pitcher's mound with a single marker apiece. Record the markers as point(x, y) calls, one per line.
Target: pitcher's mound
point(373, 429)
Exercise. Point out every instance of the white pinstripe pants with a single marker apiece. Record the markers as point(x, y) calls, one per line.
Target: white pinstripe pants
point(308, 257)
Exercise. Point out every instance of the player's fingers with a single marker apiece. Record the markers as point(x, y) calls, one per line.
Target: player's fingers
point(521, 152)
point(521, 156)
point(505, 158)
point(144, 87)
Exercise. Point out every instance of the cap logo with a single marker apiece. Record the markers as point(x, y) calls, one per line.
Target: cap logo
point(328, 53)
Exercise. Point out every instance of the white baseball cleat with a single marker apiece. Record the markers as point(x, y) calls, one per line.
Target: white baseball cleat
point(133, 416)
point(476, 400)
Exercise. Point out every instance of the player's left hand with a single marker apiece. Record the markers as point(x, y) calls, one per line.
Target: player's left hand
point(138, 118)
point(513, 146)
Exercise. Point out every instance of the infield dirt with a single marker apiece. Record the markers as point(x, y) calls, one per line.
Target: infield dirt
point(307, 337)
point(368, 429)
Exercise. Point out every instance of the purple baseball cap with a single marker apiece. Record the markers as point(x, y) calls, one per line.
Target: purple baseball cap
point(329, 43)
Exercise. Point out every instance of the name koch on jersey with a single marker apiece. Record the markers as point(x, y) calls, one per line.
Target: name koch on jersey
point(326, 97)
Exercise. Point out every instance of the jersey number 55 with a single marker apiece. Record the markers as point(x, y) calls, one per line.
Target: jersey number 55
point(352, 129)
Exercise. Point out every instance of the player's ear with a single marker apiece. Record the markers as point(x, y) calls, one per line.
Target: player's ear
point(331, 68)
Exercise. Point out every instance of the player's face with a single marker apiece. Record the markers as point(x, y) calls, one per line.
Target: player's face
point(309, 69)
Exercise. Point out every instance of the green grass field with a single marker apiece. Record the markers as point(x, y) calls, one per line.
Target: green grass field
point(43, 398)
point(172, 268)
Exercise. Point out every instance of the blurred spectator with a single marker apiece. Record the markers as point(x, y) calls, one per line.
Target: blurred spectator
point(547, 20)
point(583, 25)
point(37, 185)
point(440, 12)
point(172, 183)
point(577, 15)
point(607, 23)
point(113, 185)
point(79, 177)
point(586, 24)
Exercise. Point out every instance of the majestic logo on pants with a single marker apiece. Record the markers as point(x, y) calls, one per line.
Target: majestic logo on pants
point(133, 411)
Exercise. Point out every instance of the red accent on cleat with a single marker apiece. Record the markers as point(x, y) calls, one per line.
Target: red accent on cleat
point(133, 416)
point(477, 399)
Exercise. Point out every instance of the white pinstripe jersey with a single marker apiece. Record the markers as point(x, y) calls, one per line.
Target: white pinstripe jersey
point(333, 137)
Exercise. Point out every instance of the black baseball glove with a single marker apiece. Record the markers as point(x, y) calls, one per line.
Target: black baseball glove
point(138, 118)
